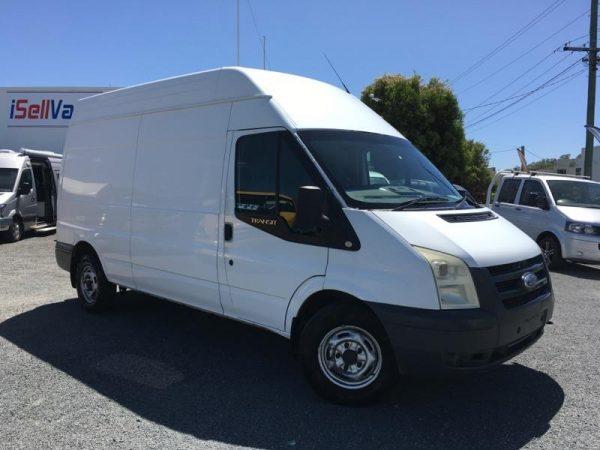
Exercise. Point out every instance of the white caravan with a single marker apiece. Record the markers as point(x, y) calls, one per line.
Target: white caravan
point(560, 212)
point(28, 188)
point(288, 204)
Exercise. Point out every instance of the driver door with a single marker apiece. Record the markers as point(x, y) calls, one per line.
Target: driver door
point(27, 203)
point(263, 259)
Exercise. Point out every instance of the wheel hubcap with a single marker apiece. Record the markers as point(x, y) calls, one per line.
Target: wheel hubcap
point(350, 357)
point(89, 284)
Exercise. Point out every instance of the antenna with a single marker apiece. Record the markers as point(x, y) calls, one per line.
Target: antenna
point(238, 32)
point(337, 74)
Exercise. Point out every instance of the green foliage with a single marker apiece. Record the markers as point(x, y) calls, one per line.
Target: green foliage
point(429, 116)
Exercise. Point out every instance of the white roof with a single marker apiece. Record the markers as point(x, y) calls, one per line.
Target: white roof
point(546, 176)
point(10, 159)
point(300, 102)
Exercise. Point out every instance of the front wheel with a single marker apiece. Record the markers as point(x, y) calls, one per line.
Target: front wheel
point(551, 250)
point(15, 231)
point(346, 355)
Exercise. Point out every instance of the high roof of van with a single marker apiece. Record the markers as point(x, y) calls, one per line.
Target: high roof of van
point(10, 159)
point(302, 103)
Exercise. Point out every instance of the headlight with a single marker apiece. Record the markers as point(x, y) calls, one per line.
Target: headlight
point(2, 206)
point(582, 228)
point(455, 286)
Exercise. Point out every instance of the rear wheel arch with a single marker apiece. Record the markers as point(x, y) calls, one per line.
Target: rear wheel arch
point(79, 250)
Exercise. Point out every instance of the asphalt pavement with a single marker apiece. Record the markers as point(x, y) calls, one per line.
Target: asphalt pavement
point(153, 374)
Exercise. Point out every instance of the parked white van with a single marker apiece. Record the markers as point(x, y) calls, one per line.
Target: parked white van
point(28, 188)
point(288, 204)
point(560, 212)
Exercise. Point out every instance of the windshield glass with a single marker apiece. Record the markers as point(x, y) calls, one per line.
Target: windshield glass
point(575, 193)
point(7, 179)
point(378, 171)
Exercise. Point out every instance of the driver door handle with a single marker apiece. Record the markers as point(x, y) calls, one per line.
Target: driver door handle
point(228, 231)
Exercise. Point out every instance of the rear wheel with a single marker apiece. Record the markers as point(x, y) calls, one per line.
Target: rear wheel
point(346, 355)
point(94, 291)
point(551, 251)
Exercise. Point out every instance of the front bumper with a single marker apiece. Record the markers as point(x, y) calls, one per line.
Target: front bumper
point(446, 342)
point(5, 223)
point(582, 248)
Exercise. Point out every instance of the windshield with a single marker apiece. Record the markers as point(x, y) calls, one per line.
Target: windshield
point(575, 193)
point(7, 179)
point(378, 171)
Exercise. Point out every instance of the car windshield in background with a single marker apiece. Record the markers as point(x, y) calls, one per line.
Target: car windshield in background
point(378, 171)
point(575, 193)
point(7, 179)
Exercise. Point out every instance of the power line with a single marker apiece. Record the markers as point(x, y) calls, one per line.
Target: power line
point(542, 86)
point(564, 81)
point(528, 52)
point(513, 81)
point(516, 94)
point(508, 41)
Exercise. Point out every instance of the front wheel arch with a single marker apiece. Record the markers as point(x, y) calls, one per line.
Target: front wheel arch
point(319, 300)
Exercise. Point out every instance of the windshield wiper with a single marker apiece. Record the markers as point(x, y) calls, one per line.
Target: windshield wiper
point(425, 199)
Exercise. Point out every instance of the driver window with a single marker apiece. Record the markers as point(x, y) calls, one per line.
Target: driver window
point(270, 168)
point(26, 178)
point(531, 190)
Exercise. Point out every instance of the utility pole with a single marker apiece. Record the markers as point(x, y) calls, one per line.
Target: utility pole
point(592, 52)
point(238, 32)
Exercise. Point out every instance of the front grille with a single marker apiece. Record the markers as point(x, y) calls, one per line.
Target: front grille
point(472, 217)
point(510, 286)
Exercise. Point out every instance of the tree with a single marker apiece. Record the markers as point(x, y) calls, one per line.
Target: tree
point(477, 176)
point(429, 116)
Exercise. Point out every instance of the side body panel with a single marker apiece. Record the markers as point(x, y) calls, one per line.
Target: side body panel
point(95, 195)
point(175, 210)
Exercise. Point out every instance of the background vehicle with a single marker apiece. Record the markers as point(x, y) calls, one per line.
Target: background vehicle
point(288, 204)
point(28, 190)
point(560, 212)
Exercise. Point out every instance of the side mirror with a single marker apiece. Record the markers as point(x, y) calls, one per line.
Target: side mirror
point(24, 188)
point(308, 209)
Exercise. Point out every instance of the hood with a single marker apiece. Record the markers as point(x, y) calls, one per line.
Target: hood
point(577, 214)
point(5, 196)
point(480, 244)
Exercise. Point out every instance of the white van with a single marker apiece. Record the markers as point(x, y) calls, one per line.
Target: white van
point(251, 194)
point(560, 212)
point(28, 189)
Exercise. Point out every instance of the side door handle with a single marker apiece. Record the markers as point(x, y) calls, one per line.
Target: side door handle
point(228, 231)
point(518, 208)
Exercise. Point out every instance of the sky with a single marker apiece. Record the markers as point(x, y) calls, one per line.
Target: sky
point(121, 43)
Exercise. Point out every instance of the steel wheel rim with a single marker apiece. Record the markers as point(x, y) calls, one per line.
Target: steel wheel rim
point(89, 284)
point(350, 357)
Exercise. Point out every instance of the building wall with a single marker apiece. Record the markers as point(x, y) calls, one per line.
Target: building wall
point(38, 117)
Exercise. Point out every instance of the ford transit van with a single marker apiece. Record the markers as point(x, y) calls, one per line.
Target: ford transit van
point(288, 204)
point(28, 188)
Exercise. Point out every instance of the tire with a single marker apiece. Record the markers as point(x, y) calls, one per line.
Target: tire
point(94, 291)
point(551, 251)
point(334, 350)
point(15, 231)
